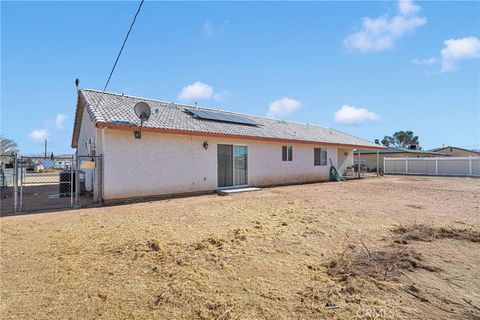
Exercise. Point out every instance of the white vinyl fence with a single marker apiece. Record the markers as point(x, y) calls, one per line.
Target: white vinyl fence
point(448, 166)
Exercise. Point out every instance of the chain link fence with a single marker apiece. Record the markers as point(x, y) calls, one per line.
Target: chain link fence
point(32, 183)
point(7, 183)
point(89, 183)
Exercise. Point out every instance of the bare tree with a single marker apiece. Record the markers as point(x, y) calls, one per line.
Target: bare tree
point(7, 146)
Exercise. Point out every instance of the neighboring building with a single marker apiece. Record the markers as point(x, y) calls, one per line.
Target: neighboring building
point(368, 158)
point(457, 152)
point(62, 164)
point(38, 163)
point(183, 150)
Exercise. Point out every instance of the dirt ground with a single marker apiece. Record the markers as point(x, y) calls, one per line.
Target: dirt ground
point(383, 248)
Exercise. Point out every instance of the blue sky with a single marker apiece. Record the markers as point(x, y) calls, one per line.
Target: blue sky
point(365, 68)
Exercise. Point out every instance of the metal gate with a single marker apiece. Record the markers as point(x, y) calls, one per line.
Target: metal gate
point(8, 182)
point(31, 183)
point(46, 183)
point(88, 187)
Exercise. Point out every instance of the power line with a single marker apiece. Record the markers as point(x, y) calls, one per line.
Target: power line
point(120, 53)
point(123, 45)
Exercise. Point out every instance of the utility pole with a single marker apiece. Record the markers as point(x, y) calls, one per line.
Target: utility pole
point(45, 155)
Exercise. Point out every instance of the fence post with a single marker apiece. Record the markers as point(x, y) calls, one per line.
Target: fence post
point(384, 168)
point(436, 166)
point(15, 183)
point(71, 183)
point(470, 171)
point(100, 179)
point(21, 185)
point(406, 165)
point(77, 180)
point(378, 163)
point(358, 162)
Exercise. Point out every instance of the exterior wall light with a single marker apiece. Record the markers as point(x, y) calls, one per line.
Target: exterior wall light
point(205, 144)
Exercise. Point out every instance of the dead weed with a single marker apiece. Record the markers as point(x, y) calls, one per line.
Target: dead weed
point(420, 232)
point(391, 261)
point(384, 263)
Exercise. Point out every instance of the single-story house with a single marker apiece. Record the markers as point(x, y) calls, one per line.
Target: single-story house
point(368, 158)
point(189, 149)
point(457, 152)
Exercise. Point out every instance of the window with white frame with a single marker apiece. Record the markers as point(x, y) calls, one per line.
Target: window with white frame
point(320, 156)
point(287, 153)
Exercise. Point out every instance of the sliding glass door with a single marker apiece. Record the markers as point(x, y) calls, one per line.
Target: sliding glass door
point(225, 165)
point(240, 157)
point(232, 164)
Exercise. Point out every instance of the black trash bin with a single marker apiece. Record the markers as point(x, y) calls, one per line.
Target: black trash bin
point(64, 187)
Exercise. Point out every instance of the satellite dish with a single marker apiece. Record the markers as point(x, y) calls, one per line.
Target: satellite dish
point(143, 112)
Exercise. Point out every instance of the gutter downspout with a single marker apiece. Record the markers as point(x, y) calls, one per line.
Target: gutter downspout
point(378, 163)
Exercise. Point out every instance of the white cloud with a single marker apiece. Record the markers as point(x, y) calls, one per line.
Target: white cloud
point(454, 51)
point(352, 115)
point(38, 135)
point(378, 34)
point(283, 107)
point(459, 49)
point(209, 30)
point(196, 91)
point(59, 120)
point(222, 96)
point(407, 7)
point(202, 91)
point(427, 62)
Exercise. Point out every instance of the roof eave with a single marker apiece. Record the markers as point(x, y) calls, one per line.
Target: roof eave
point(419, 152)
point(80, 108)
point(452, 147)
point(232, 136)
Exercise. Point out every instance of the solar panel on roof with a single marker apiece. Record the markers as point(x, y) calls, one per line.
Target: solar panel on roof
point(216, 116)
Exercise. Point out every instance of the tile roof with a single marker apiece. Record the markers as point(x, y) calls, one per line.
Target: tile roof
point(117, 109)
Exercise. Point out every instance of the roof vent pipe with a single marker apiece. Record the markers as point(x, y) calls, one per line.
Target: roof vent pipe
point(196, 105)
point(377, 141)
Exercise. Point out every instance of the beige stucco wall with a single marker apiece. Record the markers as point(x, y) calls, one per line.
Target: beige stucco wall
point(161, 164)
point(345, 160)
point(458, 153)
point(86, 138)
point(90, 139)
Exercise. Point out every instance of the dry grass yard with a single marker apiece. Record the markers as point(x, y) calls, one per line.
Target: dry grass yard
point(387, 248)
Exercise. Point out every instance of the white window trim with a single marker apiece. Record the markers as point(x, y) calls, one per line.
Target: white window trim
point(233, 167)
point(287, 146)
point(320, 160)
